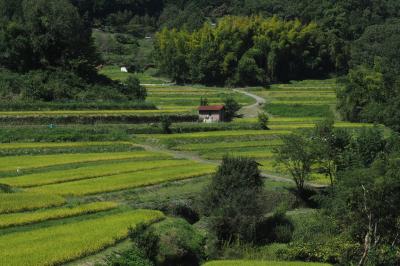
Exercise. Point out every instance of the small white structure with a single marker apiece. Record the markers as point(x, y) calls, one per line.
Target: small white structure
point(211, 114)
point(124, 70)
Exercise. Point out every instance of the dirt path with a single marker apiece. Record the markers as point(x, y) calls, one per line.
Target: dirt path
point(197, 158)
point(254, 109)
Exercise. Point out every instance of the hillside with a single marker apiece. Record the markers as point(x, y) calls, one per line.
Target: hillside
point(187, 133)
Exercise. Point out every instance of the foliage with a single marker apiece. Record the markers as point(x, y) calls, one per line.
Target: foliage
point(231, 108)
point(243, 51)
point(146, 240)
point(180, 243)
point(232, 200)
point(372, 89)
point(370, 197)
point(263, 120)
point(131, 257)
point(297, 155)
point(166, 124)
point(134, 90)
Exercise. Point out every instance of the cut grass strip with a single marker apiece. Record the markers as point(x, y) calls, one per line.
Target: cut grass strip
point(62, 243)
point(14, 163)
point(93, 171)
point(18, 219)
point(15, 202)
point(126, 181)
point(261, 263)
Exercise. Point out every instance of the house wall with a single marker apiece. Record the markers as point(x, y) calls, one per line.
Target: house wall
point(210, 116)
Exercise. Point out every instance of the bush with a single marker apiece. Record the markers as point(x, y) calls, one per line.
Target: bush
point(275, 229)
point(180, 243)
point(184, 210)
point(131, 257)
point(166, 124)
point(146, 240)
point(263, 120)
point(233, 200)
point(231, 108)
point(133, 90)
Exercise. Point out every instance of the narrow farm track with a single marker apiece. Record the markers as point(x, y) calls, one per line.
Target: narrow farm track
point(254, 109)
point(197, 158)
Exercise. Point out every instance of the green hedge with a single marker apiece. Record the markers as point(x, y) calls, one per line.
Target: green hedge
point(50, 106)
point(93, 119)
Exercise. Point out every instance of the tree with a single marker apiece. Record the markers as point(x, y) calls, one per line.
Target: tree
point(45, 34)
point(297, 154)
point(232, 200)
point(365, 204)
point(166, 124)
point(330, 145)
point(263, 120)
point(231, 108)
point(133, 90)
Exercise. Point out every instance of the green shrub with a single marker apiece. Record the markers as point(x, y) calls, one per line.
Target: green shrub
point(131, 257)
point(166, 124)
point(231, 108)
point(146, 240)
point(263, 120)
point(133, 90)
point(180, 243)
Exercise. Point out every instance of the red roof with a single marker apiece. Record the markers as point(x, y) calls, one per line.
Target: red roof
point(212, 108)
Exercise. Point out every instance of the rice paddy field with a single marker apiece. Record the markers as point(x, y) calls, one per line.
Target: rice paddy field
point(44, 218)
point(84, 195)
point(290, 106)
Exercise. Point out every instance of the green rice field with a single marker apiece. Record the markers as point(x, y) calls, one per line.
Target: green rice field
point(45, 211)
point(79, 194)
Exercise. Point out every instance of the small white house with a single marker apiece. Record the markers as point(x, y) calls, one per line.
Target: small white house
point(211, 114)
point(124, 70)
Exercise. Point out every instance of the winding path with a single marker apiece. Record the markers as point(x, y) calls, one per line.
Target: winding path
point(254, 109)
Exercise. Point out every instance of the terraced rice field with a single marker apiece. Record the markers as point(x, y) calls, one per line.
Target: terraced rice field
point(301, 105)
point(46, 220)
point(188, 98)
point(60, 243)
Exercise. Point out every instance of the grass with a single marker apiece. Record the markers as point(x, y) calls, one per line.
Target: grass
point(19, 163)
point(65, 242)
point(18, 219)
point(127, 181)
point(88, 172)
point(21, 201)
point(298, 110)
point(261, 263)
